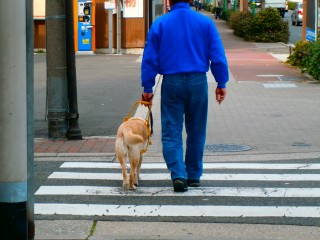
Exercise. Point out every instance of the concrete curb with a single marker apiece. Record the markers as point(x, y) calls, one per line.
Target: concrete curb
point(157, 157)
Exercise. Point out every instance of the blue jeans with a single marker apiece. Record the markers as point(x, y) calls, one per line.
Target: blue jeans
point(184, 98)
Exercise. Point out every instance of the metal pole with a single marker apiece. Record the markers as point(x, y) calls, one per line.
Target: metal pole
point(316, 29)
point(13, 121)
point(153, 7)
point(74, 131)
point(30, 119)
point(110, 31)
point(253, 7)
point(119, 27)
point(57, 85)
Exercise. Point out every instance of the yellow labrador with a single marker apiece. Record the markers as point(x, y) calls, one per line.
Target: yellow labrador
point(132, 141)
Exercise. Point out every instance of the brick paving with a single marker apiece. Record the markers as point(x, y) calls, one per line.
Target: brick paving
point(248, 65)
point(87, 145)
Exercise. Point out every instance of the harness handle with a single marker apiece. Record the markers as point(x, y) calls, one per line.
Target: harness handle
point(148, 121)
point(148, 104)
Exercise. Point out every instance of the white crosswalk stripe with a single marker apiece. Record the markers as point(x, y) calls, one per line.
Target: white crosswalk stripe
point(212, 177)
point(260, 182)
point(270, 166)
point(177, 211)
point(167, 191)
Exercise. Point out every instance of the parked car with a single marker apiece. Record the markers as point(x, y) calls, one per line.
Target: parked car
point(297, 13)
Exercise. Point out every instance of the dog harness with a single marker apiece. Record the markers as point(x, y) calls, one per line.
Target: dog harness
point(148, 122)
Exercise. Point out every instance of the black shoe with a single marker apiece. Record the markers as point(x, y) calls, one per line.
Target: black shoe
point(193, 182)
point(179, 185)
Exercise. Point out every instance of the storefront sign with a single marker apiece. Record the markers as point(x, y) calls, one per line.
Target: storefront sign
point(133, 9)
point(110, 5)
point(311, 35)
point(311, 21)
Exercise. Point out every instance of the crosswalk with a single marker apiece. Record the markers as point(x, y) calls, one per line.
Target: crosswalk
point(256, 192)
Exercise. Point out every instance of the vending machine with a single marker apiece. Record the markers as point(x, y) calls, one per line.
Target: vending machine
point(85, 26)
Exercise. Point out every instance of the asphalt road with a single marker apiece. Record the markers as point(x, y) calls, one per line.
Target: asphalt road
point(295, 31)
point(105, 97)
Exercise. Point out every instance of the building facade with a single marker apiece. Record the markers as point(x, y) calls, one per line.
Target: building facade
point(127, 23)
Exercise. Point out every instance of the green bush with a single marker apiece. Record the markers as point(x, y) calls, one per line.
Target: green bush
point(268, 26)
point(306, 56)
point(300, 52)
point(240, 22)
point(265, 26)
point(215, 9)
point(207, 6)
point(311, 61)
point(226, 14)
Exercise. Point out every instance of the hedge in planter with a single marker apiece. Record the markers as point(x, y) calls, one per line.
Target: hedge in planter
point(268, 26)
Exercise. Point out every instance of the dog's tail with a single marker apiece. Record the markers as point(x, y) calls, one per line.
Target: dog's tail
point(130, 137)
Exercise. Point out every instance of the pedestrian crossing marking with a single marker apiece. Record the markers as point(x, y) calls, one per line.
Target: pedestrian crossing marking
point(233, 172)
point(210, 177)
point(177, 210)
point(270, 166)
point(279, 85)
point(269, 75)
point(196, 192)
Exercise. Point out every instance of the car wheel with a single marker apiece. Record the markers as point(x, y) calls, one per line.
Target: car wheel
point(293, 23)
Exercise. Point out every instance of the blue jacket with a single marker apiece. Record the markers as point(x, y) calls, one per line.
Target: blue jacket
point(183, 41)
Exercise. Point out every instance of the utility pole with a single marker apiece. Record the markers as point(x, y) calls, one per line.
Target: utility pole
point(244, 6)
point(30, 119)
point(263, 4)
point(57, 85)
point(304, 19)
point(74, 131)
point(13, 120)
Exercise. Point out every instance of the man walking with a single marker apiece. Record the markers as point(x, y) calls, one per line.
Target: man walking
point(196, 4)
point(182, 45)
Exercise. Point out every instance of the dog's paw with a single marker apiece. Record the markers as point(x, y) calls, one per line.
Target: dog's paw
point(132, 188)
point(125, 186)
point(136, 180)
point(136, 183)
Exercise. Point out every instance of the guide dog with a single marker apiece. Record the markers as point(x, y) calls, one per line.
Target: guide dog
point(132, 141)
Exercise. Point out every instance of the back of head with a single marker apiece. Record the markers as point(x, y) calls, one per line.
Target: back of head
point(176, 1)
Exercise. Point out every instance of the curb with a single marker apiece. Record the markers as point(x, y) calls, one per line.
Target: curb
point(157, 157)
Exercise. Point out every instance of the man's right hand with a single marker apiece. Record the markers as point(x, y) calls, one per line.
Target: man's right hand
point(220, 94)
point(147, 97)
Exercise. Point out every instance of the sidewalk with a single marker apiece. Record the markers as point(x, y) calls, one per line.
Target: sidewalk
point(270, 107)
